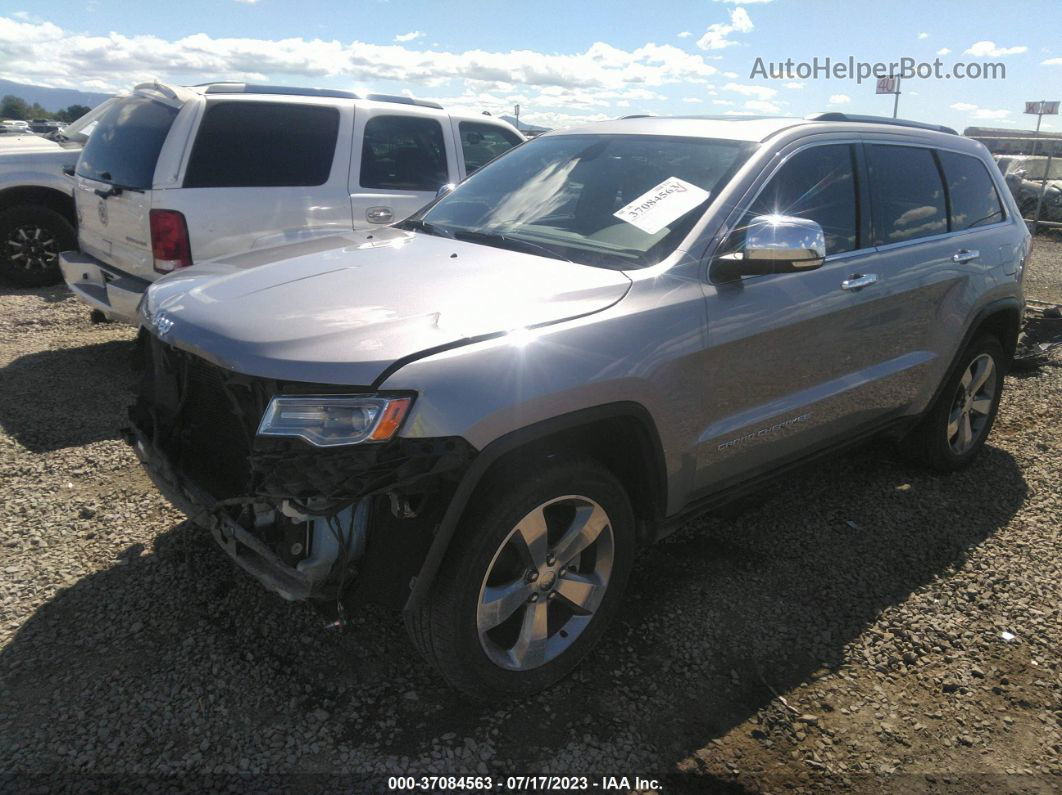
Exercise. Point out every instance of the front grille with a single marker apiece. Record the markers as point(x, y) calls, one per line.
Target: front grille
point(202, 417)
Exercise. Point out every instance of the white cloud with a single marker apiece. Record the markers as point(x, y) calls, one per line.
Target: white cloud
point(411, 36)
point(759, 92)
point(979, 113)
point(247, 2)
point(839, 99)
point(743, 2)
point(715, 37)
point(722, 102)
point(46, 54)
point(983, 49)
point(1052, 62)
point(943, 51)
point(730, 75)
point(923, 35)
point(794, 86)
point(762, 106)
point(692, 100)
point(685, 34)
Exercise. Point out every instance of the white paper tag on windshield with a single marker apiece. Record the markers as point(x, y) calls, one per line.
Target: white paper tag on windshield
point(658, 207)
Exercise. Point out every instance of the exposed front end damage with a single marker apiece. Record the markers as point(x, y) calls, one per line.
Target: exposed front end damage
point(329, 525)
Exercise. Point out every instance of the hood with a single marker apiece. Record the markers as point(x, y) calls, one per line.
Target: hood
point(27, 143)
point(341, 310)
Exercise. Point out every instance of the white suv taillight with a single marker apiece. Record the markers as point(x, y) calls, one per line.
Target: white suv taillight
point(169, 240)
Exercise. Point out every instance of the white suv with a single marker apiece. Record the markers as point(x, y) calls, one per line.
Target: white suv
point(176, 175)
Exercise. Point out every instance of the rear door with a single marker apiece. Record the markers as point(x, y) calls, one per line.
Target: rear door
point(401, 159)
point(115, 174)
point(262, 172)
point(936, 218)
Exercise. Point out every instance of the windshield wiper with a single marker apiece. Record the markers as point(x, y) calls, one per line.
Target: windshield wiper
point(515, 243)
point(417, 225)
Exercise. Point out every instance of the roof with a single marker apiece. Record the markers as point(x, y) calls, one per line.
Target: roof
point(751, 128)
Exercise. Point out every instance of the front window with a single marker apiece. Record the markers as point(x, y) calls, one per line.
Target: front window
point(616, 201)
point(1036, 167)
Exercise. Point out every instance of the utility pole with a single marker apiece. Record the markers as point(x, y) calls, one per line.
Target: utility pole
point(896, 99)
point(516, 112)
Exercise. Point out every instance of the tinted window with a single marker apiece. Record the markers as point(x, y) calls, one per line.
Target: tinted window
point(818, 184)
point(125, 143)
point(403, 153)
point(481, 143)
point(263, 145)
point(908, 194)
point(973, 197)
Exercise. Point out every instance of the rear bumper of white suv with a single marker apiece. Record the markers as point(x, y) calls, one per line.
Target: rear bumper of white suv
point(102, 287)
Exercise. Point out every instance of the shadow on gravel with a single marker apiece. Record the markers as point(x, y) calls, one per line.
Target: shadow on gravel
point(174, 660)
point(53, 294)
point(66, 397)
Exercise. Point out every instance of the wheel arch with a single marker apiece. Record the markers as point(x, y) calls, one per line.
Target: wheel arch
point(607, 433)
point(40, 196)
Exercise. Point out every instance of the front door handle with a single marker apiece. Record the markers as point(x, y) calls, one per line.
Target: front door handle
point(379, 215)
point(857, 281)
point(965, 255)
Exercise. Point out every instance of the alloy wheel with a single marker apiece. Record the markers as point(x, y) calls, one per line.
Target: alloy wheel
point(972, 405)
point(32, 247)
point(545, 583)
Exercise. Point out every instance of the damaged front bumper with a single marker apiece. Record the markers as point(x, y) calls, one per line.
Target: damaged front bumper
point(309, 523)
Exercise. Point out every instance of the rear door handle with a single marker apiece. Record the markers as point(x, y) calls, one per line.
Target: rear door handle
point(857, 281)
point(965, 255)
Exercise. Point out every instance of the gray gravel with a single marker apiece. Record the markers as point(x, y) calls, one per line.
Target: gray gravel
point(860, 625)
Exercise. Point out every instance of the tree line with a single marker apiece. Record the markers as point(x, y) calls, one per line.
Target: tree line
point(16, 108)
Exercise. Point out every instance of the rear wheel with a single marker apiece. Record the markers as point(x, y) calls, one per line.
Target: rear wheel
point(955, 430)
point(531, 582)
point(30, 241)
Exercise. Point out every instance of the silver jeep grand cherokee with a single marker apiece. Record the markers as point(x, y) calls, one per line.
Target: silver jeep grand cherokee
point(477, 415)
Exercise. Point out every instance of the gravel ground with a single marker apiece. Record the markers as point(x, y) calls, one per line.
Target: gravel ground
point(861, 626)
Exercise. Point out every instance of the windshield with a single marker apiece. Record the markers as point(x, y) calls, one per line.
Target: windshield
point(615, 201)
point(125, 144)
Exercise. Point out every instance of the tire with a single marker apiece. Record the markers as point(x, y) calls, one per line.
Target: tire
point(31, 238)
point(939, 444)
point(488, 553)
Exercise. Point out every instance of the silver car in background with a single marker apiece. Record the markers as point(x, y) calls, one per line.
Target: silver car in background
point(478, 414)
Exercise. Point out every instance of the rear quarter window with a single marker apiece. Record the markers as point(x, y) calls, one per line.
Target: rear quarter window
point(481, 143)
point(125, 143)
point(263, 145)
point(973, 197)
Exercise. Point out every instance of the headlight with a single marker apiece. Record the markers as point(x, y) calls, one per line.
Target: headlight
point(333, 420)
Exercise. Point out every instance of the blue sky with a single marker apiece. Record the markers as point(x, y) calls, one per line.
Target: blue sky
point(564, 62)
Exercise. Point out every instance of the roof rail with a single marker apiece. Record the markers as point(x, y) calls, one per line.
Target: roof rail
point(920, 125)
point(247, 88)
point(422, 103)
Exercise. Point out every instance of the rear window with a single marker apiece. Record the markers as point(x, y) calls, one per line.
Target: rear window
point(125, 143)
point(263, 145)
point(481, 143)
point(908, 194)
point(403, 153)
point(974, 201)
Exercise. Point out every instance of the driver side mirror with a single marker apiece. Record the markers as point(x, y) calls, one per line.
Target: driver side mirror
point(774, 244)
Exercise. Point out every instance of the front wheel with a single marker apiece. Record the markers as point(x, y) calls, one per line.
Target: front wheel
point(530, 583)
